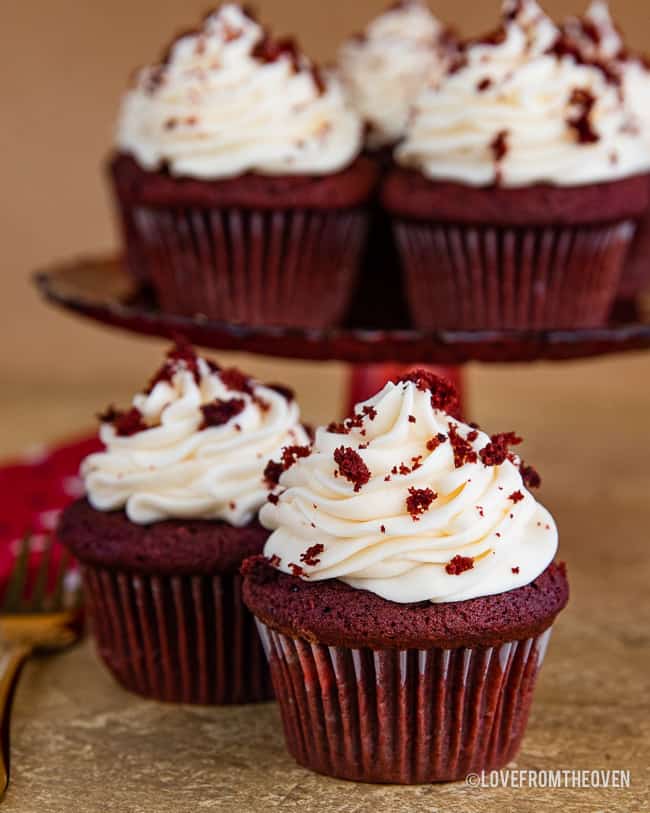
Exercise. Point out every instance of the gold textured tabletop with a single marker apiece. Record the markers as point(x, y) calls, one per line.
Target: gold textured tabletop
point(82, 744)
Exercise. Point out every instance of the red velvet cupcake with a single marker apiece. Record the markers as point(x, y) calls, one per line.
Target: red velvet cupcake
point(597, 37)
point(240, 179)
point(520, 182)
point(171, 513)
point(406, 595)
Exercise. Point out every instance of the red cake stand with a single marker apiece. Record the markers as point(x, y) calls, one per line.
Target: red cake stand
point(99, 289)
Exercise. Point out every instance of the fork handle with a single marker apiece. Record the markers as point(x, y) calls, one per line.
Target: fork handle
point(12, 660)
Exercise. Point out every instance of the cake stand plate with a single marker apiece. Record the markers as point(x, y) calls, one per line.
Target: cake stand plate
point(99, 289)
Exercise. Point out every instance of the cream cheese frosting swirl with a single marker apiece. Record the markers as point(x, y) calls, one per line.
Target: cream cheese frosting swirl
point(597, 37)
point(229, 100)
point(385, 68)
point(404, 506)
point(519, 109)
point(193, 447)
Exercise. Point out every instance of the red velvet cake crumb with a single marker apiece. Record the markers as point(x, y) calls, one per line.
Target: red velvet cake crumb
point(436, 441)
point(181, 356)
point(234, 379)
point(463, 451)
point(290, 454)
point(352, 467)
point(516, 496)
point(459, 564)
point(584, 100)
point(411, 418)
point(530, 476)
point(274, 560)
point(419, 501)
point(274, 499)
point(498, 449)
point(129, 423)
point(272, 473)
point(286, 392)
point(515, 570)
point(444, 395)
point(220, 412)
point(296, 569)
point(309, 557)
point(370, 412)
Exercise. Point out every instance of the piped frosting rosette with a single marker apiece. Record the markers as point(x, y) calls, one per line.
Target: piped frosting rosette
point(407, 501)
point(228, 99)
point(193, 446)
point(523, 106)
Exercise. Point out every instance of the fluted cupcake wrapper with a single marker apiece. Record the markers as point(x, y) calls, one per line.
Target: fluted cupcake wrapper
point(295, 267)
point(403, 716)
point(636, 274)
point(182, 639)
point(484, 277)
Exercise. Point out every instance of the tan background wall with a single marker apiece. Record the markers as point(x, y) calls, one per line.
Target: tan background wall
point(63, 66)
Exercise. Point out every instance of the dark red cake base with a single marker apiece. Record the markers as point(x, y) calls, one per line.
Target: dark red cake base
point(166, 606)
point(636, 273)
point(257, 250)
point(335, 614)
point(541, 257)
point(179, 639)
point(403, 716)
point(374, 691)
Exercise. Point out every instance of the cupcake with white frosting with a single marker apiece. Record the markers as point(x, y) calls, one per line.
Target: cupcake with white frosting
point(408, 586)
point(170, 514)
point(237, 168)
point(385, 67)
point(521, 178)
point(597, 37)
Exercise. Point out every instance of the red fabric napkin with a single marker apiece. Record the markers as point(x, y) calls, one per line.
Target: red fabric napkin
point(34, 489)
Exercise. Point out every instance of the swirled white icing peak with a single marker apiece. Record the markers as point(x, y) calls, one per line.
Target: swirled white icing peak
point(229, 100)
point(193, 447)
point(403, 504)
point(386, 67)
point(518, 108)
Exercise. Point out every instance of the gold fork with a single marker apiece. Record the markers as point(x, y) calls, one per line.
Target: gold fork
point(46, 622)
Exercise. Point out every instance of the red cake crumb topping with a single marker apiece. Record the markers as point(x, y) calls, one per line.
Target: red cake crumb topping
point(129, 423)
point(443, 394)
point(472, 436)
point(286, 392)
point(484, 84)
point(499, 146)
point(515, 570)
point(355, 422)
point(463, 451)
point(419, 501)
point(480, 510)
point(580, 121)
point(352, 467)
point(234, 379)
point(274, 560)
point(220, 412)
point(433, 444)
point(383, 529)
point(272, 473)
point(497, 450)
point(412, 419)
point(274, 499)
point(181, 356)
point(296, 569)
point(516, 496)
point(270, 50)
point(309, 557)
point(530, 476)
point(290, 454)
point(109, 415)
point(459, 564)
